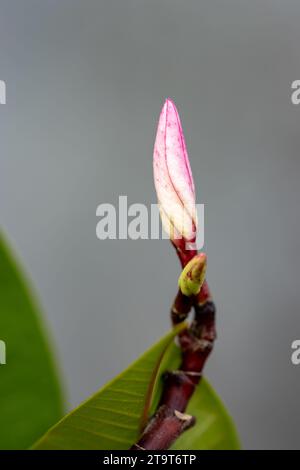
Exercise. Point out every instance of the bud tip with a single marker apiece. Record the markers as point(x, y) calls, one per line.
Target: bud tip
point(193, 275)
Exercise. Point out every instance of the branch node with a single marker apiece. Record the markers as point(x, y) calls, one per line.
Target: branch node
point(202, 345)
point(187, 419)
point(137, 447)
point(178, 377)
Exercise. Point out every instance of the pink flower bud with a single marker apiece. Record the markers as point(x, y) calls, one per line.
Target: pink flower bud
point(173, 177)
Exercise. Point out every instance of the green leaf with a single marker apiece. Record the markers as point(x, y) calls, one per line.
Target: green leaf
point(112, 418)
point(30, 397)
point(214, 428)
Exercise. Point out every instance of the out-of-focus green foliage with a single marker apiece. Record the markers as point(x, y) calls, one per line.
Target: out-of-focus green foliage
point(30, 396)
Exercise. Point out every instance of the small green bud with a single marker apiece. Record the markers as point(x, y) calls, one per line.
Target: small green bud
point(192, 277)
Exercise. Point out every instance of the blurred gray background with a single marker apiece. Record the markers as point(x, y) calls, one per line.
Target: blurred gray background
point(85, 84)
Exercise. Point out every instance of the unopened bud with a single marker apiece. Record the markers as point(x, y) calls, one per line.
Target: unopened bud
point(193, 275)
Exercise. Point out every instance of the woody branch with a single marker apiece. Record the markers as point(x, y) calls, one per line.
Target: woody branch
point(196, 343)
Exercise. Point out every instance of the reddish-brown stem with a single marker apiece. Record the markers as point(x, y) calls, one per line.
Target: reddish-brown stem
point(196, 343)
point(181, 308)
point(170, 419)
point(183, 254)
point(163, 428)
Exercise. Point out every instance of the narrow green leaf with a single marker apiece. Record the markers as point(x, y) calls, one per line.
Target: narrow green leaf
point(214, 428)
point(112, 418)
point(30, 398)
